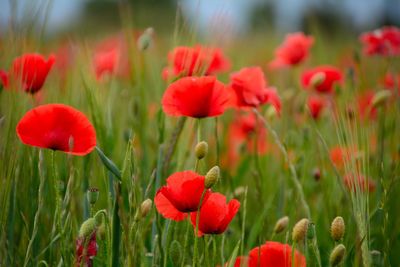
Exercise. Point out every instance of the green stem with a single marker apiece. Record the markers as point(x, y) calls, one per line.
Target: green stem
point(39, 209)
point(185, 243)
point(195, 252)
point(116, 228)
point(292, 169)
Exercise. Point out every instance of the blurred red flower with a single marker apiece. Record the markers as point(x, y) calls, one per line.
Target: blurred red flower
point(322, 78)
point(316, 104)
point(181, 195)
point(250, 89)
point(111, 57)
point(197, 60)
point(91, 250)
point(361, 183)
point(242, 132)
point(339, 155)
point(196, 97)
point(28, 72)
point(293, 51)
point(384, 41)
point(215, 214)
point(275, 254)
point(392, 81)
point(57, 127)
point(365, 106)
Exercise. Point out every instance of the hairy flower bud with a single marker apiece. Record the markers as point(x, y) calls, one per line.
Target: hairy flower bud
point(212, 177)
point(300, 230)
point(145, 207)
point(87, 228)
point(92, 195)
point(337, 255)
point(380, 98)
point(281, 225)
point(201, 149)
point(337, 228)
point(145, 40)
point(317, 79)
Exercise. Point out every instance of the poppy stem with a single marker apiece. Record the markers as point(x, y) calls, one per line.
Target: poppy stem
point(292, 256)
point(186, 243)
point(195, 252)
point(42, 179)
point(292, 169)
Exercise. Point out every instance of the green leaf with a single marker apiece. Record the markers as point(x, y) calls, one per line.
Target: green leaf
point(233, 256)
point(109, 164)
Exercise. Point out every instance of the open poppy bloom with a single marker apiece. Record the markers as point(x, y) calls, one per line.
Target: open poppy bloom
point(275, 254)
point(28, 72)
point(197, 60)
point(293, 51)
point(215, 214)
point(250, 89)
point(181, 195)
point(361, 183)
point(316, 104)
point(384, 42)
point(57, 127)
point(322, 78)
point(196, 97)
point(91, 250)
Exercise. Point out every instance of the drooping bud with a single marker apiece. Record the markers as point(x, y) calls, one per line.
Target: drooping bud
point(201, 150)
point(87, 228)
point(337, 228)
point(281, 225)
point(145, 207)
point(212, 177)
point(337, 255)
point(145, 40)
point(380, 98)
point(175, 253)
point(92, 195)
point(317, 79)
point(300, 230)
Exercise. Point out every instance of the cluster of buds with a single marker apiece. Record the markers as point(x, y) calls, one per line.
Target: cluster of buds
point(337, 233)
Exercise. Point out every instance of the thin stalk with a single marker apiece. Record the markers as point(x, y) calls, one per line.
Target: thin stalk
point(292, 169)
point(195, 252)
point(42, 179)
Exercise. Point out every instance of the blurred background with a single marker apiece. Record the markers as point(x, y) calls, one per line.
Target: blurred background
point(235, 18)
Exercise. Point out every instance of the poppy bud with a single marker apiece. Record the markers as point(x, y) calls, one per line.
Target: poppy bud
point(212, 177)
point(376, 257)
point(87, 228)
point(317, 79)
point(316, 173)
point(271, 112)
point(239, 191)
point(92, 195)
point(337, 228)
point(145, 207)
point(300, 230)
point(337, 255)
point(281, 225)
point(201, 149)
point(145, 39)
point(311, 231)
point(175, 253)
point(380, 98)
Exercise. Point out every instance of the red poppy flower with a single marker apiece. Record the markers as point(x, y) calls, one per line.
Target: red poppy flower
point(181, 195)
point(250, 89)
point(110, 57)
point(57, 127)
point(316, 104)
point(91, 250)
point(293, 51)
point(196, 97)
point(275, 254)
point(28, 72)
point(392, 81)
point(242, 134)
point(384, 42)
point(322, 78)
point(215, 214)
point(361, 183)
point(197, 60)
point(365, 105)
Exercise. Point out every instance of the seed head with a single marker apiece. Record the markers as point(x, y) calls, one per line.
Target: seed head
point(300, 230)
point(92, 195)
point(145, 207)
point(337, 255)
point(337, 228)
